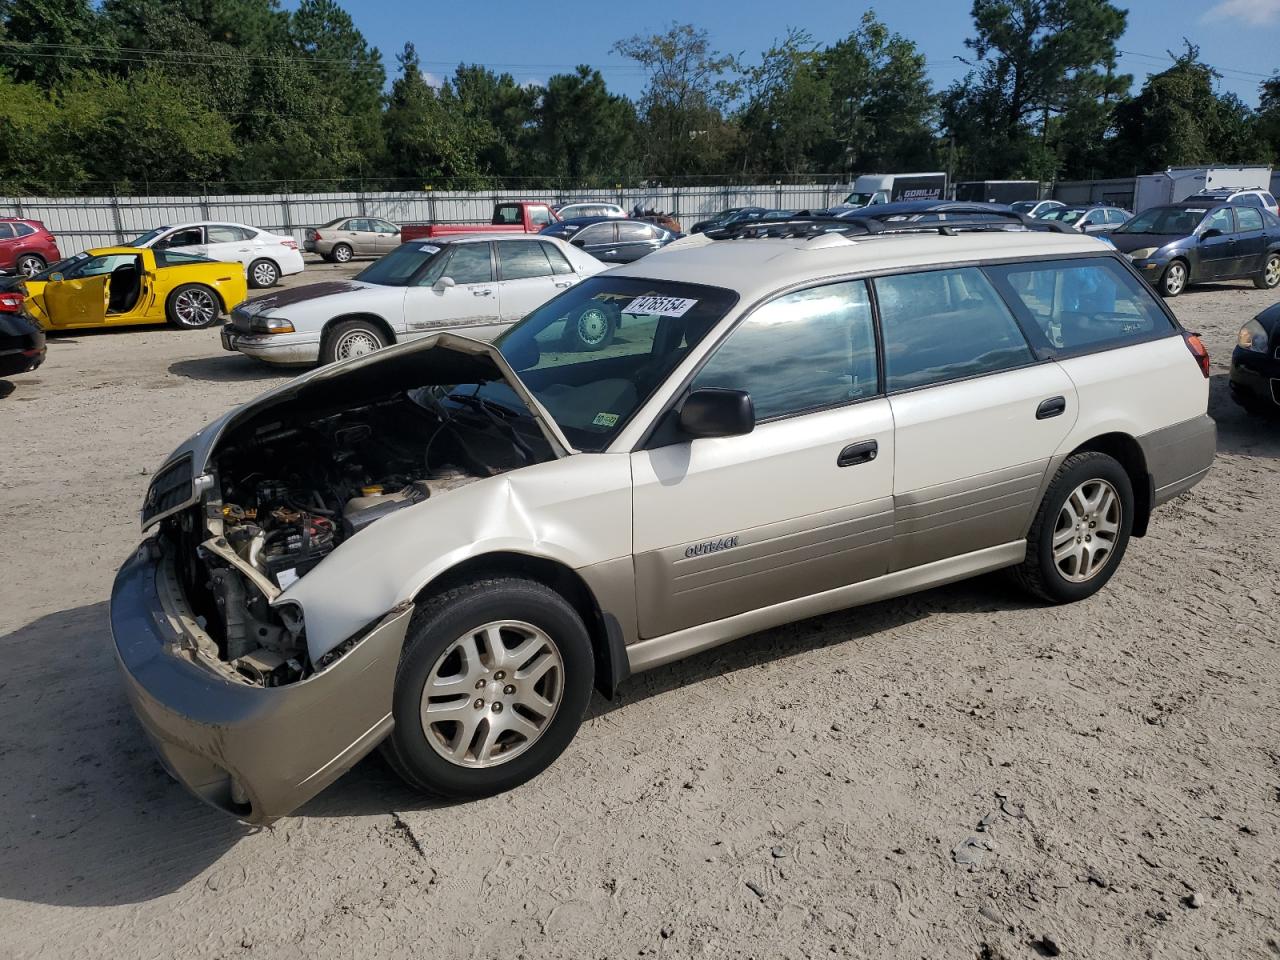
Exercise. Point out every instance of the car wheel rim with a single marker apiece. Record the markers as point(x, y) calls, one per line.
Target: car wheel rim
point(1175, 279)
point(593, 327)
point(357, 343)
point(1273, 272)
point(1085, 535)
point(492, 694)
point(265, 274)
point(194, 308)
point(342, 254)
point(30, 267)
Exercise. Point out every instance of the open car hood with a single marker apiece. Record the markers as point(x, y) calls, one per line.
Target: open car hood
point(442, 359)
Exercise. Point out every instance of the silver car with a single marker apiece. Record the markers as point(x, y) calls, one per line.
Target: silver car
point(340, 240)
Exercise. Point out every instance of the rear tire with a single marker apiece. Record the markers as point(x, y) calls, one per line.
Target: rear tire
point(1081, 530)
point(341, 253)
point(1174, 279)
point(29, 264)
point(469, 653)
point(350, 339)
point(1269, 278)
point(263, 274)
point(193, 306)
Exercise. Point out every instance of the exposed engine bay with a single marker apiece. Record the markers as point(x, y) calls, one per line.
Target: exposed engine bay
point(289, 488)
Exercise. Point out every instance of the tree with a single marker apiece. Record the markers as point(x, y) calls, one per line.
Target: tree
point(51, 33)
point(500, 113)
point(688, 89)
point(425, 142)
point(787, 119)
point(1268, 117)
point(1034, 61)
point(584, 132)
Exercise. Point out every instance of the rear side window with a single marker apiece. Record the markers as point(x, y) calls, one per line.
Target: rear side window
point(945, 325)
point(1250, 218)
point(635, 232)
point(470, 263)
point(805, 351)
point(559, 263)
point(220, 233)
point(1084, 304)
point(23, 229)
point(1249, 200)
point(522, 260)
point(1269, 199)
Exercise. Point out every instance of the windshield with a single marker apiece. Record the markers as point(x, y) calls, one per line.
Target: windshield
point(146, 238)
point(399, 267)
point(68, 267)
point(1182, 220)
point(1024, 206)
point(859, 199)
point(596, 353)
point(1065, 216)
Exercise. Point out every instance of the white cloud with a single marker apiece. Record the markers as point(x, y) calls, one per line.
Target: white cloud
point(433, 79)
point(1259, 13)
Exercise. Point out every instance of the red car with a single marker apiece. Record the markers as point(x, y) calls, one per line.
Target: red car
point(26, 247)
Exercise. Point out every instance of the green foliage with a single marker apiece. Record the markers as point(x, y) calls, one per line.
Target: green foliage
point(585, 133)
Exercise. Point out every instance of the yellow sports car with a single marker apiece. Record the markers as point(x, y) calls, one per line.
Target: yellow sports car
point(115, 286)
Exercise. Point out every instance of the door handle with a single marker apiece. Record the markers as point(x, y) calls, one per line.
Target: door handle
point(856, 453)
point(565, 283)
point(1053, 407)
point(482, 293)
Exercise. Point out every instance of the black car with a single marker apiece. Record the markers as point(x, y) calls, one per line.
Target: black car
point(718, 220)
point(610, 239)
point(22, 347)
point(1180, 244)
point(1255, 363)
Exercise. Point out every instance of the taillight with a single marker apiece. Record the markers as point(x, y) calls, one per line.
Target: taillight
point(315, 235)
point(11, 302)
point(291, 244)
point(1196, 346)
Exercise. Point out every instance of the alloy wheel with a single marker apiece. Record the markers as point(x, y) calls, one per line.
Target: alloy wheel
point(1088, 525)
point(492, 694)
point(195, 308)
point(356, 343)
point(1272, 274)
point(1175, 279)
point(30, 266)
point(264, 275)
point(342, 253)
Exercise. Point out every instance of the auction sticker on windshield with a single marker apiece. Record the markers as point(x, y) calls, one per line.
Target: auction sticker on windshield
point(660, 306)
point(428, 248)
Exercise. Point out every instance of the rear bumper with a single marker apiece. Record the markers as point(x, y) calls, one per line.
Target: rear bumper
point(286, 349)
point(271, 748)
point(1179, 457)
point(289, 262)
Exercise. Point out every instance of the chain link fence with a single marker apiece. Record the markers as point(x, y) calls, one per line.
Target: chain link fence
point(85, 222)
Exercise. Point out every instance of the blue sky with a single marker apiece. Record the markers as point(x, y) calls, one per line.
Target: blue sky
point(535, 40)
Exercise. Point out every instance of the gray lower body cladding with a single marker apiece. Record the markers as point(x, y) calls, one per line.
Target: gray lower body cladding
point(1178, 457)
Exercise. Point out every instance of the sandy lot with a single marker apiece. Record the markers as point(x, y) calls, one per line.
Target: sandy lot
point(797, 794)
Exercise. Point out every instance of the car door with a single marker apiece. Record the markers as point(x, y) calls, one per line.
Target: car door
point(635, 240)
point(1251, 242)
point(386, 236)
point(463, 299)
point(600, 240)
point(82, 298)
point(977, 418)
point(525, 277)
point(803, 503)
point(228, 244)
point(1216, 245)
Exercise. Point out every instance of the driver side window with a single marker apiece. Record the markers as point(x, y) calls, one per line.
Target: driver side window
point(470, 263)
point(1221, 221)
point(805, 351)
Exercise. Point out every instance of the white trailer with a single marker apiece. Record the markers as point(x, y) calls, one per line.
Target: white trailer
point(1178, 183)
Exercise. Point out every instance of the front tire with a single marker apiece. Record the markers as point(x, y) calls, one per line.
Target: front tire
point(350, 339)
point(193, 306)
point(29, 264)
point(263, 273)
point(341, 253)
point(1081, 530)
point(1174, 279)
point(1269, 278)
point(492, 685)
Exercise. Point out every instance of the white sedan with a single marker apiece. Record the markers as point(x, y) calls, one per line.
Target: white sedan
point(475, 285)
point(266, 256)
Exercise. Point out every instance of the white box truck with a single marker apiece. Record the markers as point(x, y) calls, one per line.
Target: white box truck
point(1178, 183)
point(873, 188)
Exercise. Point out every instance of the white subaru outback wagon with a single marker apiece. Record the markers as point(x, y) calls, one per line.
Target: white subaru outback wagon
point(442, 547)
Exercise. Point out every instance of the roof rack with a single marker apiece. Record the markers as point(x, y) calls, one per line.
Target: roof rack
point(808, 226)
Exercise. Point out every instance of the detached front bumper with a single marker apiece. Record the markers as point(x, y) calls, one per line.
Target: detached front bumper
point(286, 349)
point(257, 753)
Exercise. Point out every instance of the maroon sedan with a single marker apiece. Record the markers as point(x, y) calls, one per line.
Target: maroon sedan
point(26, 247)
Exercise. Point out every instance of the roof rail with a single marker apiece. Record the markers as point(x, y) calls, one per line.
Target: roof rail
point(803, 227)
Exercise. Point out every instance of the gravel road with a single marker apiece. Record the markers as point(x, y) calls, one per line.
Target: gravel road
point(956, 774)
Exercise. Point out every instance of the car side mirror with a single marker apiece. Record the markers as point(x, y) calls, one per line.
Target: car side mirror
point(1210, 233)
point(715, 412)
point(578, 241)
point(443, 284)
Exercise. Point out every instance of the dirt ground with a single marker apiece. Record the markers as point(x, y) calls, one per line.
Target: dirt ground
point(1112, 768)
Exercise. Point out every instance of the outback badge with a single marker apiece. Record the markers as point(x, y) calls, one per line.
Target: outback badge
point(711, 546)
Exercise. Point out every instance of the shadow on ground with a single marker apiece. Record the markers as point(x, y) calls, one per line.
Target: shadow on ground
point(229, 368)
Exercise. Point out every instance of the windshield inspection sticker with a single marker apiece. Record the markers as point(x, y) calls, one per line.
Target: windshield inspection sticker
point(428, 248)
point(605, 420)
point(660, 306)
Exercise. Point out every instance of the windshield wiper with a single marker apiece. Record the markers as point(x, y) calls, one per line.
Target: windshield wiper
point(500, 416)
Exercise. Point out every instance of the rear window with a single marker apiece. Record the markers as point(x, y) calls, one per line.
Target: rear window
point(1081, 305)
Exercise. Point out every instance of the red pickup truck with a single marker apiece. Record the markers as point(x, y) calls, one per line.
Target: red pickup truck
point(515, 216)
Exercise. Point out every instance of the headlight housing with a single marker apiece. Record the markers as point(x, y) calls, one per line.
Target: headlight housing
point(270, 325)
point(1143, 253)
point(1253, 337)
